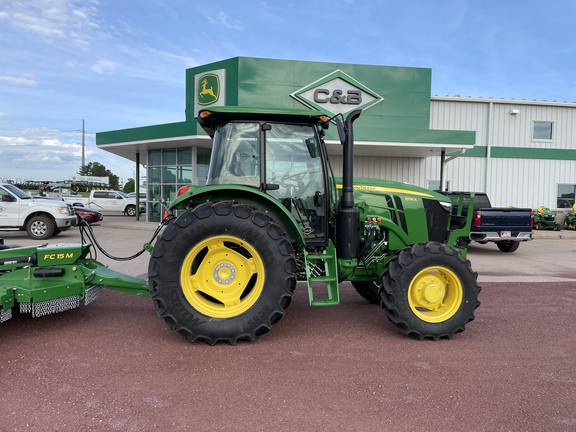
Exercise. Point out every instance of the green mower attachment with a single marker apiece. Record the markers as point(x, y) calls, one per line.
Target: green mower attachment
point(48, 279)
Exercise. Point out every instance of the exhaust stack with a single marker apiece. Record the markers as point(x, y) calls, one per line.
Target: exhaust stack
point(347, 220)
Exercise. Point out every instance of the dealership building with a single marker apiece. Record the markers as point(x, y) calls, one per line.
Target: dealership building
point(521, 152)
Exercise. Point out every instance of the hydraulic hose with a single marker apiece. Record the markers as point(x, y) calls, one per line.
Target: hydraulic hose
point(86, 231)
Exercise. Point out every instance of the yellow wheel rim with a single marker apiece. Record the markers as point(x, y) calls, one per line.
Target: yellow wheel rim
point(222, 276)
point(435, 294)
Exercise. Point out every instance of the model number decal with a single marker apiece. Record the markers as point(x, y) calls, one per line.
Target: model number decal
point(58, 256)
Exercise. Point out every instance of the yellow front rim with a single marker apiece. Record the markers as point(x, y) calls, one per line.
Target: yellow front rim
point(222, 276)
point(435, 294)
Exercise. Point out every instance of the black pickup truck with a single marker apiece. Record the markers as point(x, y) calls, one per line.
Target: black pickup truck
point(505, 226)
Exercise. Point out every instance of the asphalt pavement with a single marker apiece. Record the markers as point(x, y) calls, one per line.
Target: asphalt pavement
point(115, 366)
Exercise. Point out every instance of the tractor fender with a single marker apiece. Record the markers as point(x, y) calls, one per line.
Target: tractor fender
point(246, 195)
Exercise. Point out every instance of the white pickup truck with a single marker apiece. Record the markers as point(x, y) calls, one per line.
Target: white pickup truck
point(104, 200)
point(41, 218)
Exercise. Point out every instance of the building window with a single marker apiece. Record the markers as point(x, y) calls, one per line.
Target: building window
point(168, 170)
point(202, 161)
point(542, 131)
point(565, 196)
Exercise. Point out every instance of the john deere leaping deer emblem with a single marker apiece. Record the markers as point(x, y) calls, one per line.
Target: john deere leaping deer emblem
point(208, 89)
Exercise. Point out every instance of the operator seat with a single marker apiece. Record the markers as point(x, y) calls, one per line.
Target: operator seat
point(244, 160)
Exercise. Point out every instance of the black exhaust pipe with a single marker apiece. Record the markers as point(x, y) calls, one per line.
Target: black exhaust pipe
point(347, 220)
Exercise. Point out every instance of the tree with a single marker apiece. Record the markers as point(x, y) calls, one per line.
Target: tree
point(95, 169)
point(130, 186)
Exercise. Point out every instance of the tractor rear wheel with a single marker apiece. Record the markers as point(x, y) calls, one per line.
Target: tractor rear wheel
point(429, 291)
point(368, 290)
point(222, 272)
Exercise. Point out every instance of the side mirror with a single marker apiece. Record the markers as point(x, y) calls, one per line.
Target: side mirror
point(312, 148)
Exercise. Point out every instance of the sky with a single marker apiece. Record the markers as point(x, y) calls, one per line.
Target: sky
point(117, 64)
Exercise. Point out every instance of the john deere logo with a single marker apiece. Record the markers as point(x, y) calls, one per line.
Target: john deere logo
point(208, 89)
point(337, 93)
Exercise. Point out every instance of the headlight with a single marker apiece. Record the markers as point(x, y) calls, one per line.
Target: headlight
point(65, 210)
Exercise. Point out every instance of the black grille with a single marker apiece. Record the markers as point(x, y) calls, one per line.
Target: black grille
point(436, 220)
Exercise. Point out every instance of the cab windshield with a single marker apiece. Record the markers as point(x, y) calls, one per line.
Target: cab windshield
point(235, 155)
point(287, 165)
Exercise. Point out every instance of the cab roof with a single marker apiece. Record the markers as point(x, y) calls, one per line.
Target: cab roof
point(210, 117)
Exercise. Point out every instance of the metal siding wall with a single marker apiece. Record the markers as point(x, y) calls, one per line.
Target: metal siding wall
point(409, 170)
point(512, 182)
point(530, 182)
point(460, 116)
point(464, 174)
point(517, 182)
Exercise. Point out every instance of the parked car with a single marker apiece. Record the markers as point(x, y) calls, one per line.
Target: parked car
point(106, 200)
point(505, 226)
point(40, 217)
point(87, 214)
point(142, 195)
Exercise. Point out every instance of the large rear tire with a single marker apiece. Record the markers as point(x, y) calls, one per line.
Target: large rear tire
point(429, 291)
point(222, 272)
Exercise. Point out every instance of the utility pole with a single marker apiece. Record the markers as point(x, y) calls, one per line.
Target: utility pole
point(83, 151)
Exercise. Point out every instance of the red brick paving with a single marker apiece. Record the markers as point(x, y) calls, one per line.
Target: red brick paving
point(114, 365)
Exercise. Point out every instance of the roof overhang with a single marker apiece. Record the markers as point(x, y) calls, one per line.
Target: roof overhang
point(130, 149)
point(397, 149)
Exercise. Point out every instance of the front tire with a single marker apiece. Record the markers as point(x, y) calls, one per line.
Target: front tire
point(130, 210)
point(40, 227)
point(222, 272)
point(429, 291)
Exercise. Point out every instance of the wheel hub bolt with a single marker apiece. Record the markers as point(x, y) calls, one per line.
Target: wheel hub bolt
point(224, 273)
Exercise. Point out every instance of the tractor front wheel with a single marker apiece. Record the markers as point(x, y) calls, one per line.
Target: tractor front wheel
point(222, 272)
point(429, 291)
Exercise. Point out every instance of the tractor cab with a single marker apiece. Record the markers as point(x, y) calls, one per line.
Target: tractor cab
point(282, 158)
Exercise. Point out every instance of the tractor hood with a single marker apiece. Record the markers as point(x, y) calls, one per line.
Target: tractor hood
point(368, 185)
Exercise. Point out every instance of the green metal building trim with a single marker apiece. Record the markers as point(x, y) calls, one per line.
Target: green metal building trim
point(402, 117)
point(145, 133)
point(521, 153)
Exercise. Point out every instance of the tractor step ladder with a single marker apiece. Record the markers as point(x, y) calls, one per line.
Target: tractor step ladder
point(328, 260)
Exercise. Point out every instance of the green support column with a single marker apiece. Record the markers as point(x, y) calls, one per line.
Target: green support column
point(137, 186)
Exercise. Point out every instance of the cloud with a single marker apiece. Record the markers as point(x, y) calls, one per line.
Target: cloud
point(104, 67)
point(30, 152)
point(52, 19)
point(24, 80)
point(48, 154)
point(224, 20)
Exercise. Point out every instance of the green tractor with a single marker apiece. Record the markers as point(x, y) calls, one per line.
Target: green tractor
point(272, 214)
point(545, 219)
point(570, 219)
point(228, 259)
